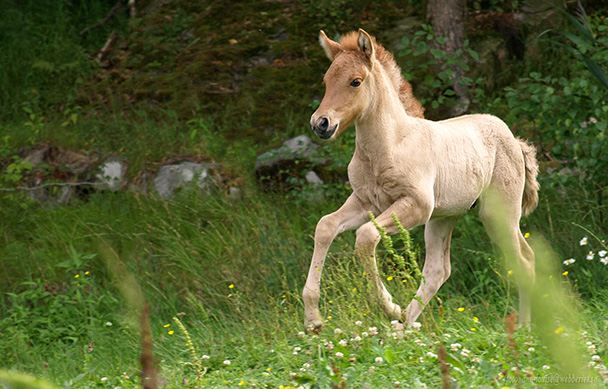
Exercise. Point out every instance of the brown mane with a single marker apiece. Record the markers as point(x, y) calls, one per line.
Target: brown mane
point(406, 95)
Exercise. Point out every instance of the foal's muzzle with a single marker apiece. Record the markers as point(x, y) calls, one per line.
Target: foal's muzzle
point(323, 128)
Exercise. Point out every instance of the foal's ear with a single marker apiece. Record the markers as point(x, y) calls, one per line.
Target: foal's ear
point(331, 48)
point(365, 44)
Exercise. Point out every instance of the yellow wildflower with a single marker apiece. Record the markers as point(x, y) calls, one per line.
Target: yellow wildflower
point(527, 235)
point(565, 273)
point(167, 325)
point(389, 278)
point(510, 272)
point(461, 309)
point(559, 330)
point(231, 286)
point(171, 332)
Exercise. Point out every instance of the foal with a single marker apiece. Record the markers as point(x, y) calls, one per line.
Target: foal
point(422, 171)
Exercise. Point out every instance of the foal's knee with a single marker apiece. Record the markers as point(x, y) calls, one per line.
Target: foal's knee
point(326, 230)
point(367, 237)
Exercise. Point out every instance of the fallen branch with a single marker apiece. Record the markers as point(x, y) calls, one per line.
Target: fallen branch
point(108, 16)
point(106, 47)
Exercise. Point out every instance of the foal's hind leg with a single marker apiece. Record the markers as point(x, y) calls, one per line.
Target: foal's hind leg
point(501, 217)
point(437, 237)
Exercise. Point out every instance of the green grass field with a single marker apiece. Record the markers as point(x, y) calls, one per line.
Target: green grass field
point(222, 277)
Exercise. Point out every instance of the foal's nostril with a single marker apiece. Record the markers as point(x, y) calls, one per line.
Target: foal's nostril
point(323, 124)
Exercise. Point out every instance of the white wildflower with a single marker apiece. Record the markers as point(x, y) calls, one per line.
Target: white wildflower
point(455, 346)
point(419, 343)
point(205, 357)
point(582, 243)
point(356, 339)
point(358, 323)
point(108, 324)
point(475, 360)
point(569, 261)
point(339, 355)
point(590, 255)
point(343, 343)
point(337, 331)
point(531, 349)
point(596, 358)
point(465, 353)
point(364, 334)
point(604, 260)
point(227, 362)
point(416, 325)
point(373, 331)
point(602, 253)
point(104, 379)
point(379, 360)
point(546, 367)
point(301, 334)
point(306, 365)
point(431, 355)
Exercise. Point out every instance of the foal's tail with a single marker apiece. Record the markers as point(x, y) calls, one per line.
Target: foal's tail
point(530, 197)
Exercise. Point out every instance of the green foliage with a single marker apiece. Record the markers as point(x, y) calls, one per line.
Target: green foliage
point(43, 55)
point(434, 68)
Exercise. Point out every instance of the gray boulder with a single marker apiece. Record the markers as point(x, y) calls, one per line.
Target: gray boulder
point(171, 178)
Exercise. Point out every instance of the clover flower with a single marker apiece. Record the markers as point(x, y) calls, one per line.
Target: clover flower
point(455, 346)
point(465, 353)
point(339, 355)
point(358, 323)
point(343, 343)
point(379, 360)
point(227, 362)
point(416, 325)
point(337, 331)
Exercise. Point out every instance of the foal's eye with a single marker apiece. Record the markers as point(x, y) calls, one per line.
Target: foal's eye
point(355, 83)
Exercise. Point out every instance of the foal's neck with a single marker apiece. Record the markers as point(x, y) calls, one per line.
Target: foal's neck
point(384, 124)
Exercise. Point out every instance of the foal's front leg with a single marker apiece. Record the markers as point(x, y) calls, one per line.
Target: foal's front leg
point(351, 215)
point(411, 212)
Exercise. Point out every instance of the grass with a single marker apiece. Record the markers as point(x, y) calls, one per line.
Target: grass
point(232, 274)
point(223, 278)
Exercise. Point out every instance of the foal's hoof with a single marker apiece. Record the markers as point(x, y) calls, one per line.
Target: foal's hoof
point(315, 327)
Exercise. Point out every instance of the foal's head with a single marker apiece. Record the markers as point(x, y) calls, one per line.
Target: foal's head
point(347, 83)
point(350, 84)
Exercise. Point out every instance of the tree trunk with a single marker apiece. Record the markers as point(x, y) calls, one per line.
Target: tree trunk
point(447, 19)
